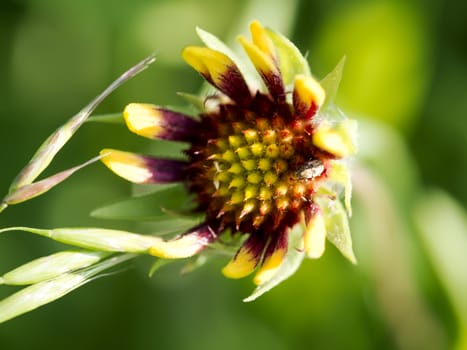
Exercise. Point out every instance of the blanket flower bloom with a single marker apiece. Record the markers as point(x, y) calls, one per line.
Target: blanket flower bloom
point(265, 157)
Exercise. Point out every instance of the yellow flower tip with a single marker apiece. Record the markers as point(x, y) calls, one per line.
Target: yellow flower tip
point(143, 119)
point(129, 166)
point(262, 61)
point(210, 63)
point(183, 247)
point(315, 236)
point(191, 55)
point(243, 264)
point(308, 91)
point(261, 39)
point(339, 141)
point(270, 266)
point(255, 27)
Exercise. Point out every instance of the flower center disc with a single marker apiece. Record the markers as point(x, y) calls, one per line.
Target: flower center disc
point(253, 172)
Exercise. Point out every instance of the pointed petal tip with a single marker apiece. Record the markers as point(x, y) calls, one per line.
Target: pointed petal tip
point(262, 40)
point(255, 23)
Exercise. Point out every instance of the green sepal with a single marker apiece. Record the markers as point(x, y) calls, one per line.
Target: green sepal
point(195, 263)
point(330, 83)
point(194, 100)
point(337, 226)
point(157, 264)
point(340, 174)
point(291, 60)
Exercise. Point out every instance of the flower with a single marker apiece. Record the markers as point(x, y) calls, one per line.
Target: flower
point(265, 156)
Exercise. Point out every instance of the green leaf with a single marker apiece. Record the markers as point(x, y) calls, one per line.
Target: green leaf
point(54, 143)
point(293, 259)
point(291, 60)
point(331, 83)
point(35, 189)
point(32, 297)
point(51, 266)
point(36, 295)
point(96, 238)
point(337, 226)
point(152, 207)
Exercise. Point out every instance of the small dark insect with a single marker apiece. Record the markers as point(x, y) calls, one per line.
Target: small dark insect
point(310, 169)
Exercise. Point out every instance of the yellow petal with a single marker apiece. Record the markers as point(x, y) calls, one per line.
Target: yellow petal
point(270, 266)
point(184, 246)
point(261, 39)
point(130, 166)
point(210, 63)
point(246, 259)
point(308, 91)
point(242, 265)
point(263, 63)
point(142, 119)
point(339, 140)
point(315, 236)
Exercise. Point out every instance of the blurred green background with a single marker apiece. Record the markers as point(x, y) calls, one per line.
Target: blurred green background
point(405, 80)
